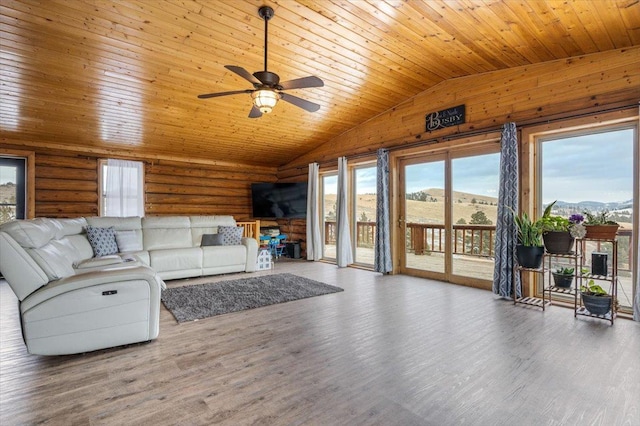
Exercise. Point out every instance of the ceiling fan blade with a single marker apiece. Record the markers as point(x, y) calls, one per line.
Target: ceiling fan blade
point(255, 113)
point(243, 73)
point(216, 95)
point(302, 83)
point(299, 102)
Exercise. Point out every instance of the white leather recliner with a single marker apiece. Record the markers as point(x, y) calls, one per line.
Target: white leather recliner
point(69, 301)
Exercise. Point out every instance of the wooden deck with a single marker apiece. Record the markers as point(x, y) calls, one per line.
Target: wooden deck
point(472, 266)
point(389, 350)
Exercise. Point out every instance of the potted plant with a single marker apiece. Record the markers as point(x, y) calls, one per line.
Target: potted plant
point(595, 299)
point(529, 249)
point(599, 226)
point(555, 232)
point(563, 277)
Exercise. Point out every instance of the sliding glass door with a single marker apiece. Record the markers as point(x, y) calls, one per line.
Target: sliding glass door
point(447, 214)
point(474, 205)
point(364, 209)
point(329, 209)
point(423, 216)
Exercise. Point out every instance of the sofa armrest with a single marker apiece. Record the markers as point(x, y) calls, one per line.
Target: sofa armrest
point(252, 253)
point(89, 279)
point(19, 269)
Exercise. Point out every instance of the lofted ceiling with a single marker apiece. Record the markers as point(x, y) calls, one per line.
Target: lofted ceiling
point(123, 76)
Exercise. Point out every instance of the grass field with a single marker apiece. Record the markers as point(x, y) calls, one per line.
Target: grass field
point(427, 211)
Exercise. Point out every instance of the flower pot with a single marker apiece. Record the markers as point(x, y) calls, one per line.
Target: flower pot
point(558, 242)
point(529, 256)
point(561, 280)
point(601, 232)
point(596, 305)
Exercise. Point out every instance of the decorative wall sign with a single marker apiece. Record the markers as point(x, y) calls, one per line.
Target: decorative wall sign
point(445, 118)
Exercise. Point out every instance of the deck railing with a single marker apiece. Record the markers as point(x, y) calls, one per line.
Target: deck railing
point(422, 238)
point(471, 240)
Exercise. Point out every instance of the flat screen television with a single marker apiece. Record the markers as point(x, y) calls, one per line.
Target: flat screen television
point(279, 200)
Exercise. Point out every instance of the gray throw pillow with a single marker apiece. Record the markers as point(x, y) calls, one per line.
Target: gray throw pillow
point(232, 235)
point(212, 240)
point(102, 240)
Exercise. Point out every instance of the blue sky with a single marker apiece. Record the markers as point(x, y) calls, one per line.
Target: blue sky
point(597, 167)
point(7, 174)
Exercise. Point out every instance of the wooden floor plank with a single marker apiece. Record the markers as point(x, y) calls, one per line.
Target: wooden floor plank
point(388, 350)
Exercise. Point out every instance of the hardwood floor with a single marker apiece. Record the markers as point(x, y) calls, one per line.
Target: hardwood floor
point(389, 350)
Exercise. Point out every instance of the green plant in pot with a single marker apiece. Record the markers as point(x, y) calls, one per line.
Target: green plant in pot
point(599, 226)
point(563, 277)
point(595, 298)
point(529, 250)
point(556, 232)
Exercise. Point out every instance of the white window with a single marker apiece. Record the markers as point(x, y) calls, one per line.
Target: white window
point(122, 188)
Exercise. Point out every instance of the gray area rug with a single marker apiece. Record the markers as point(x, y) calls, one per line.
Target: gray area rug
point(197, 301)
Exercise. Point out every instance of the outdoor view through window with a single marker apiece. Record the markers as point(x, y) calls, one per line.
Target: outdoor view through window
point(12, 191)
point(594, 172)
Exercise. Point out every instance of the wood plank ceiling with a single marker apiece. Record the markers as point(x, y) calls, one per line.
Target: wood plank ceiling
point(123, 75)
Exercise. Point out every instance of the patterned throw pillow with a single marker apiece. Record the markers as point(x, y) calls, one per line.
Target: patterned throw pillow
point(232, 235)
point(102, 240)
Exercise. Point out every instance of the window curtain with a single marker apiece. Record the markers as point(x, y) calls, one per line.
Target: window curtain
point(636, 304)
point(382, 257)
point(506, 232)
point(344, 254)
point(314, 238)
point(124, 190)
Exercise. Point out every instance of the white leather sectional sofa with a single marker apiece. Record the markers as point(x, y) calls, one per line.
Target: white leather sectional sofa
point(73, 302)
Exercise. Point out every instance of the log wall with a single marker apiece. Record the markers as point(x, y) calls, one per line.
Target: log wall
point(66, 185)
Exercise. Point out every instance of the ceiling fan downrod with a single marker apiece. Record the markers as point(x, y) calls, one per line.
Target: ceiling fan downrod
point(266, 13)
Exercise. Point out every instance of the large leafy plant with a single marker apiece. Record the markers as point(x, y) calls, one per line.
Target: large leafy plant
point(601, 218)
point(529, 231)
point(593, 289)
point(553, 223)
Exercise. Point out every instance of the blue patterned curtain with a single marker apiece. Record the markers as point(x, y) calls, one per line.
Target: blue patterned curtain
point(344, 253)
point(382, 260)
point(506, 231)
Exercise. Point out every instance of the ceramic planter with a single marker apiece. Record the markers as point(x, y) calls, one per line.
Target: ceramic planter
point(561, 280)
point(529, 256)
point(596, 305)
point(558, 242)
point(601, 232)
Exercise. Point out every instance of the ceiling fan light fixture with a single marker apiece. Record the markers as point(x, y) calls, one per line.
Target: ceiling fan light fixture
point(265, 100)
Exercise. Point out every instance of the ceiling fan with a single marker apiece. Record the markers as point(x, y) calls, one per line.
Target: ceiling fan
point(267, 87)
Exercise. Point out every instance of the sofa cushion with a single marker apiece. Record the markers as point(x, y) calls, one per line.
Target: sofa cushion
point(128, 241)
point(33, 233)
point(82, 248)
point(55, 258)
point(212, 240)
point(176, 260)
point(207, 225)
point(232, 235)
point(68, 227)
point(102, 240)
point(219, 256)
point(118, 223)
point(166, 232)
